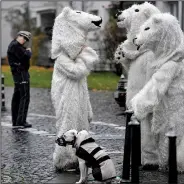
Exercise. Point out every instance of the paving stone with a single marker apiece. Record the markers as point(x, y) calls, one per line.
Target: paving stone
point(26, 155)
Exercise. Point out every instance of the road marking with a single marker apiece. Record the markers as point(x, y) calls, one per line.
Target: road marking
point(95, 136)
point(103, 123)
point(31, 130)
point(45, 133)
point(114, 152)
point(35, 131)
point(93, 122)
point(121, 128)
point(41, 115)
point(30, 115)
point(108, 137)
point(6, 124)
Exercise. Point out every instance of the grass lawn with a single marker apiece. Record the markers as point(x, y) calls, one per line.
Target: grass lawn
point(41, 78)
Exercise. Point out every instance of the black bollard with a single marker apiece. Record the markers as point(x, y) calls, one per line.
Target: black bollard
point(139, 138)
point(127, 147)
point(2, 94)
point(172, 160)
point(135, 146)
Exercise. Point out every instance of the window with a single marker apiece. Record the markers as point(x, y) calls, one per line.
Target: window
point(174, 8)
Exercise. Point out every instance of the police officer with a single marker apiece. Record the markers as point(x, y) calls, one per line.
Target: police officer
point(19, 61)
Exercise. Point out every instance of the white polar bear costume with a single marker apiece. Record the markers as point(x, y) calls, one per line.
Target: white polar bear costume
point(69, 91)
point(163, 95)
point(136, 63)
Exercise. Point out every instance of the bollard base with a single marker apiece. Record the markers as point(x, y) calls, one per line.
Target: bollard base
point(125, 181)
point(121, 114)
point(3, 108)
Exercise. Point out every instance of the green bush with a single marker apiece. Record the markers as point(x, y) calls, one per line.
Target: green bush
point(36, 41)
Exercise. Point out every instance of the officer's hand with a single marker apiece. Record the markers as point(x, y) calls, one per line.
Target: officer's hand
point(29, 49)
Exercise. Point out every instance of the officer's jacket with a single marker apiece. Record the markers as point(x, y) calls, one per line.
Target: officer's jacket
point(18, 58)
point(102, 166)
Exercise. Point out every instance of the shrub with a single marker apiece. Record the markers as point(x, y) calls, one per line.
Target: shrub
point(36, 41)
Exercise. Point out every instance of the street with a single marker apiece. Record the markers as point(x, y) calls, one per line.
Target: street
point(27, 153)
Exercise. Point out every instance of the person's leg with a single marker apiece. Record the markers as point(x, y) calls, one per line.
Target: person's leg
point(149, 146)
point(15, 104)
point(24, 104)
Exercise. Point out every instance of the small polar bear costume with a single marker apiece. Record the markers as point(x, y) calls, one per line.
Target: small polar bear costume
point(163, 95)
point(69, 91)
point(137, 65)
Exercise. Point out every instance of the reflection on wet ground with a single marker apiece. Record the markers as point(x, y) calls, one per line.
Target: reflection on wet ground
point(27, 153)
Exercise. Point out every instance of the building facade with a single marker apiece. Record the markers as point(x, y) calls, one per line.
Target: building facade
point(176, 8)
point(43, 13)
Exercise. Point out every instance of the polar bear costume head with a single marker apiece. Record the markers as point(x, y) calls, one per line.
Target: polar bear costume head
point(162, 34)
point(70, 31)
point(133, 17)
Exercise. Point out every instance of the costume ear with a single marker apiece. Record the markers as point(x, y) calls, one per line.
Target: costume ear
point(149, 10)
point(157, 20)
point(147, 13)
point(66, 10)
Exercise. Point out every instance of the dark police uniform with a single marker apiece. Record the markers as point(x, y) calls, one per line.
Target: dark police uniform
point(19, 61)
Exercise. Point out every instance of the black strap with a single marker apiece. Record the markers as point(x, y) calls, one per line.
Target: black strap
point(87, 141)
point(102, 159)
point(95, 151)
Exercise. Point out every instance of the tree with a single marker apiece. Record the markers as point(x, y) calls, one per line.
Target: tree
point(112, 35)
point(19, 18)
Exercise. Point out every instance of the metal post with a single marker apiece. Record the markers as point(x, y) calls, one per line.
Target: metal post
point(135, 145)
point(172, 160)
point(139, 148)
point(2, 94)
point(126, 158)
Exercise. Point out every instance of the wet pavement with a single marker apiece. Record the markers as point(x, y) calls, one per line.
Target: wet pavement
point(27, 153)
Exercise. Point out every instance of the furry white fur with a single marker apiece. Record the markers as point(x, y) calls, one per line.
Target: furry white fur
point(69, 91)
point(137, 65)
point(163, 95)
point(134, 61)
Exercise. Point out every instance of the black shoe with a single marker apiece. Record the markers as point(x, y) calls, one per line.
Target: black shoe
point(150, 167)
point(27, 125)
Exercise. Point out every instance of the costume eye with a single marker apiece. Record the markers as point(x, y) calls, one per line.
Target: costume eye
point(136, 10)
point(147, 28)
point(78, 12)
